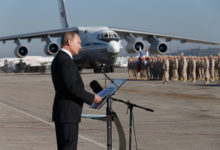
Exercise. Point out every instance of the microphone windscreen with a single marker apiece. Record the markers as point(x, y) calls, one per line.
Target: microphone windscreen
point(95, 86)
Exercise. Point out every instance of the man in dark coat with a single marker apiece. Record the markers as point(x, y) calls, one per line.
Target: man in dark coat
point(69, 93)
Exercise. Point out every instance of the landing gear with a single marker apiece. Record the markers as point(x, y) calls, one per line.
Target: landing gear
point(97, 70)
point(79, 67)
point(107, 69)
point(112, 69)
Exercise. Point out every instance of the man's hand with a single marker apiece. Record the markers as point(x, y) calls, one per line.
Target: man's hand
point(97, 99)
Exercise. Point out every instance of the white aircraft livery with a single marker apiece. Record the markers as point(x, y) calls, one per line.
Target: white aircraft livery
point(100, 45)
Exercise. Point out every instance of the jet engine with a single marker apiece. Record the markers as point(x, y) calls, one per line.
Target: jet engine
point(134, 45)
point(51, 48)
point(21, 51)
point(158, 47)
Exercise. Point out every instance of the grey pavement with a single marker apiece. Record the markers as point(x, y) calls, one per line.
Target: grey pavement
point(186, 117)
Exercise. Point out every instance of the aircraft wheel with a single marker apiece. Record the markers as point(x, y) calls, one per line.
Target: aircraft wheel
point(111, 68)
point(95, 70)
point(107, 69)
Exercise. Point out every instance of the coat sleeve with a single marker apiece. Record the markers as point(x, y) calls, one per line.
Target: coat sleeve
point(70, 76)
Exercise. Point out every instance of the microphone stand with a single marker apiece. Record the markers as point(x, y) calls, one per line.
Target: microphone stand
point(106, 76)
point(110, 116)
point(130, 107)
point(109, 123)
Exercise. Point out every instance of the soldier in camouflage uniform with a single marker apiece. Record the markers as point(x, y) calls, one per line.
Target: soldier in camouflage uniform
point(193, 69)
point(151, 67)
point(180, 58)
point(133, 68)
point(206, 70)
point(159, 69)
point(197, 68)
point(176, 65)
point(165, 68)
point(212, 68)
point(156, 66)
point(219, 67)
point(189, 68)
point(202, 68)
point(142, 68)
point(147, 67)
point(172, 68)
point(216, 68)
point(184, 69)
point(130, 73)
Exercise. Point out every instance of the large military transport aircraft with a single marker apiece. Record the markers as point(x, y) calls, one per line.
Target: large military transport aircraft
point(100, 45)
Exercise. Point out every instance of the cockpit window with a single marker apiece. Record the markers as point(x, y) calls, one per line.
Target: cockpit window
point(105, 35)
point(108, 36)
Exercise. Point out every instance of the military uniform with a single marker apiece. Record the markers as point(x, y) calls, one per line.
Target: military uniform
point(165, 68)
point(206, 70)
point(212, 68)
point(219, 68)
point(193, 70)
point(184, 69)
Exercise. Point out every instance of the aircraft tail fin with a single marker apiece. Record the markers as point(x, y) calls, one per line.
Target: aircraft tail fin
point(63, 14)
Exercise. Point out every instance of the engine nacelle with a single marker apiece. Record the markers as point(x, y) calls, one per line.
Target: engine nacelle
point(158, 47)
point(21, 51)
point(135, 47)
point(51, 48)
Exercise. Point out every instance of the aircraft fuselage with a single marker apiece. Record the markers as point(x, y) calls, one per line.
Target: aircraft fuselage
point(100, 45)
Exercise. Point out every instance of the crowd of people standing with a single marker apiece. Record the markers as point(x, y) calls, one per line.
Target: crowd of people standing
point(175, 68)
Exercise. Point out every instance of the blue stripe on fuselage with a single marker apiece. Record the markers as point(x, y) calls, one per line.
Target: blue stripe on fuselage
point(93, 44)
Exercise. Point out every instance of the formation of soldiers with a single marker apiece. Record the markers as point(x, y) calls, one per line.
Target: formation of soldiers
point(175, 68)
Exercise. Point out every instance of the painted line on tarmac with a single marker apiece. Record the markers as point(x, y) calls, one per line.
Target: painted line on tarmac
point(51, 124)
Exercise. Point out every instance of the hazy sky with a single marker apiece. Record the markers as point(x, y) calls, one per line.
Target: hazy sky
point(199, 19)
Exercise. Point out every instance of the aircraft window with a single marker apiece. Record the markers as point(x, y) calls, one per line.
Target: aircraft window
point(108, 37)
point(105, 35)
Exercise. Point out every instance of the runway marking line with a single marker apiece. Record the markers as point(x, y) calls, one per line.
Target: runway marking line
point(51, 124)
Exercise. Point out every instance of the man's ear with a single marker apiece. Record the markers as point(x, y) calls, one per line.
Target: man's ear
point(68, 42)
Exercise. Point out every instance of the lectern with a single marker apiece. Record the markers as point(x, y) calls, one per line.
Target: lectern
point(110, 114)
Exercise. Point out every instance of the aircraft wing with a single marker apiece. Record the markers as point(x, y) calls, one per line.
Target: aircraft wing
point(123, 32)
point(29, 36)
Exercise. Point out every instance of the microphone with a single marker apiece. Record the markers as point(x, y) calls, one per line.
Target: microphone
point(95, 86)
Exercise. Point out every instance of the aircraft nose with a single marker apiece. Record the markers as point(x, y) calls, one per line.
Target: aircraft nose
point(114, 47)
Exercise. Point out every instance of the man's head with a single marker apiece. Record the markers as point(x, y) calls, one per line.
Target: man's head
point(71, 42)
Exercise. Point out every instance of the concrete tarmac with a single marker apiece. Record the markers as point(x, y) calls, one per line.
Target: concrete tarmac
point(186, 117)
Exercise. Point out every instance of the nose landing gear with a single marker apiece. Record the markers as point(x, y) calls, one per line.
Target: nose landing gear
point(107, 69)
